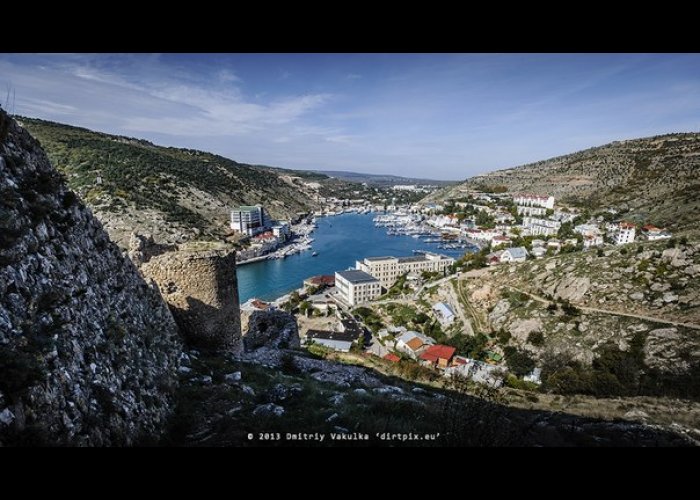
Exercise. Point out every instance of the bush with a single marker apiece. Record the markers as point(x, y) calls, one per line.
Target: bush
point(536, 338)
point(519, 362)
point(504, 335)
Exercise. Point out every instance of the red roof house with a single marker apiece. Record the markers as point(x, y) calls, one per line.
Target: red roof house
point(439, 355)
point(392, 357)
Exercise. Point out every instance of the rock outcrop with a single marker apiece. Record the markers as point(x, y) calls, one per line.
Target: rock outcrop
point(88, 350)
point(276, 329)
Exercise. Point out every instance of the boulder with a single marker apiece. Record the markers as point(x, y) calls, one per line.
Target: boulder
point(572, 288)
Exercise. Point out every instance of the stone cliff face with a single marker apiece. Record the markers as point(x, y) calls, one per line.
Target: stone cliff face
point(88, 350)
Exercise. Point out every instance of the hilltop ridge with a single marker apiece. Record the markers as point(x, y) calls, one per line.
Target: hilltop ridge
point(654, 179)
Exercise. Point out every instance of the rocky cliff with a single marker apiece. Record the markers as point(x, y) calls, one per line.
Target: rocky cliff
point(88, 350)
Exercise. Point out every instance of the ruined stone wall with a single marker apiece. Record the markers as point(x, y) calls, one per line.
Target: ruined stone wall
point(201, 289)
point(88, 350)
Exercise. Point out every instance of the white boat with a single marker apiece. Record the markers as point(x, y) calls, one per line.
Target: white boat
point(314, 254)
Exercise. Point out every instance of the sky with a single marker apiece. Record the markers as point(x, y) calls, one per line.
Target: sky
point(438, 116)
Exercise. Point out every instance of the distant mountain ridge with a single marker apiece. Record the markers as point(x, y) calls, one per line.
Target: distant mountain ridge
point(654, 179)
point(380, 179)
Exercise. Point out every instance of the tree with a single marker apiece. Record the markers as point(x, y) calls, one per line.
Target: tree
point(304, 307)
point(519, 362)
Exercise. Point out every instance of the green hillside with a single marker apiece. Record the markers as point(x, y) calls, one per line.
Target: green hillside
point(177, 194)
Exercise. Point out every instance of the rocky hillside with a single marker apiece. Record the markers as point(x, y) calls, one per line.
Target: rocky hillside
point(625, 322)
point(657, 179)
point(174, 194)
point(275, 395)
point(88, 350)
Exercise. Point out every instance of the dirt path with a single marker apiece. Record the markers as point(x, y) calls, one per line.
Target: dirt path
point(607, 311)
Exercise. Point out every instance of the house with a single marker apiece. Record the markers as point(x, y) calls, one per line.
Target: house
point(322, 280)
point(444, 313)
point(499, 241)
point(477, 371)
point(413, 343)
point(514, 254)
point(493, 259)
point(254, 304)
point(538, 252)
point(554, 244)
point(591, 240)
point(338, 341)
point(653, 233)
point(391, 357)
point(437, 356)
point(323, 300)
point(625, 233)
point(537, 243)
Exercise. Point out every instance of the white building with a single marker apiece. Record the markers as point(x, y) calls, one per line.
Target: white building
point(514, 254)
point(413, 343)
point(625, 233)
point(499, 241)
point(355, 287)
point(538, 252)
point(281, 230)
point(592, 236)
point(531, 211)
point(654, 233)
point(388, 269)
point(540, 227)
point(444, 313)
point(533, 200)
point(338, 341)
point(592, 240)
point(249, 220)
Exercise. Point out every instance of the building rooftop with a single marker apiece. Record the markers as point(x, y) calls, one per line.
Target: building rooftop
point(415, 343)
point(322, 279)
point(246, 208)
point(372, 259)
point(444, 309)
point(352, 327)
point(517, 252)
point(329, 335)
point(354, 276)
point(392, 357)
point(436, 352)
point(415, 258)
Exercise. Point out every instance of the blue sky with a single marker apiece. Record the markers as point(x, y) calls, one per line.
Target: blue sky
point(442, 116)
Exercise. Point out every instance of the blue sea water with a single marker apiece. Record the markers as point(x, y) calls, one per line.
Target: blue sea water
point(340, 241)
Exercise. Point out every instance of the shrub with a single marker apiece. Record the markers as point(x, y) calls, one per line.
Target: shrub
point(536, 338)
point(519, 362)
